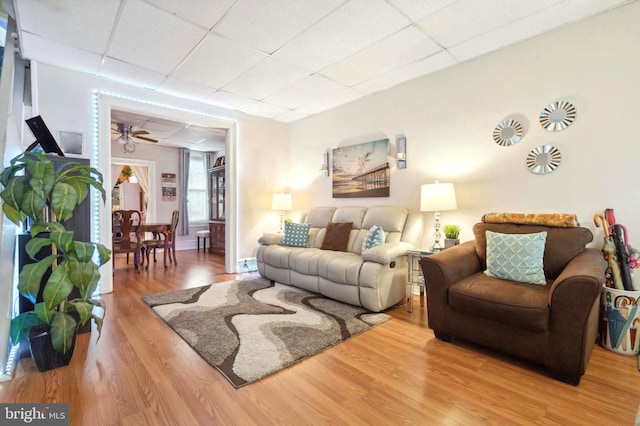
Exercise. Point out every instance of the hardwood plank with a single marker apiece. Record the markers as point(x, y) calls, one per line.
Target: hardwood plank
point(141, 372)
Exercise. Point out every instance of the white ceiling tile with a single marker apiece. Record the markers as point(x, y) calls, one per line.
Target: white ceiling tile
point(130, 74)
point(404, 47)
point(205, 13)
point(184, 88)
point(530, 26)
point(466, 19)
point(53, 53)
point(266, 78)
point(83, 24)
point(418, 9)
point(290, 116)
point(228, 100)
point(268, 25)
point(352, 27)
point(263, 109)
point(331, 101)
point(305, 92)
point(152, 38)
point(217, 61)
point(426, 66)
point(198, 135)
point(156, 37)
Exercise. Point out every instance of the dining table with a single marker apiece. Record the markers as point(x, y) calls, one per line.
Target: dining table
point(155, 228)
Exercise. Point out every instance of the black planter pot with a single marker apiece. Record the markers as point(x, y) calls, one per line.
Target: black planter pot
point(42, 352)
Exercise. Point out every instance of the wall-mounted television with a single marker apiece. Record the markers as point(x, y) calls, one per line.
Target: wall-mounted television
point(44, 138)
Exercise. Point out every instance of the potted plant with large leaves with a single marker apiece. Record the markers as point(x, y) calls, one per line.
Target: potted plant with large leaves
point(33, 188)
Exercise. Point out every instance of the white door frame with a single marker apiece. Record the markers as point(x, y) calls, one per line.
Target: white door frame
point(151, 165)
point(103, 104)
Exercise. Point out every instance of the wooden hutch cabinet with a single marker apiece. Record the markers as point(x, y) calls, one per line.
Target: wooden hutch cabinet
point(217, 210)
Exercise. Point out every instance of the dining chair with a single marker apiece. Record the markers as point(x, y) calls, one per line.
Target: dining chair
point(168, 243)
point(126, 241)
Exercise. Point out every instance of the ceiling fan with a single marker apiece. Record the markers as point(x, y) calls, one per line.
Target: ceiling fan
point(127, 136)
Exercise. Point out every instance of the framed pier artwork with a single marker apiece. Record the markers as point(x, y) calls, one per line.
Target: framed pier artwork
point(361, 170)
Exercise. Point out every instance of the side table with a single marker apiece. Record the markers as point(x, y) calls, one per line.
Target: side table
point(415, 276)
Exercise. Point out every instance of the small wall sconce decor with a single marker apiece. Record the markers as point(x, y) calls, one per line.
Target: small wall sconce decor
point(324, 168)
point(401, 153)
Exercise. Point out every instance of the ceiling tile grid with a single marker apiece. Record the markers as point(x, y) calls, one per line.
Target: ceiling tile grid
point(281, 59)
point(152, 38)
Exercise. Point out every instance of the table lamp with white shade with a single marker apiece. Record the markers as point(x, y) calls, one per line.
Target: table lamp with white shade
point(281, 202)
point(437, 197)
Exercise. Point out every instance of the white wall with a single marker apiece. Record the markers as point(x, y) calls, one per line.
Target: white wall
point(65, 103)
point(448, 119)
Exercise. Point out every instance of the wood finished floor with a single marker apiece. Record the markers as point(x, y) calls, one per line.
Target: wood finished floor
point(142, 373)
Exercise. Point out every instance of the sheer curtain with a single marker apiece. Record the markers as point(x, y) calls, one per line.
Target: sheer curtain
point(142, 174)
point(115, 172)
point(183, 183)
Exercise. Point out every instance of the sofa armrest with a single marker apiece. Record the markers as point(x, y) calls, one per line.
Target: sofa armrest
point(387, 252)
point(269, 239)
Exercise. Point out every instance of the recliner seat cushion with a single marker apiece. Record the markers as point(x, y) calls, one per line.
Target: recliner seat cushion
point(520, 305)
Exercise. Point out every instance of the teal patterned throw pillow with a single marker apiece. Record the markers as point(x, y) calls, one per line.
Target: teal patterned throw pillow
point(375, 237)
point(516, 257)
point(296, 234)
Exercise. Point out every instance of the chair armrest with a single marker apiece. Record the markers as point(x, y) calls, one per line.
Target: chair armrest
point(441, 270)
point(269, 239)
point(451, 265)
point(574, 300)
point(386, 253)
point(580, 282)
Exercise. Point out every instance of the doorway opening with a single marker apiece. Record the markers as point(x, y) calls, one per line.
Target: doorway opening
point(104, 103)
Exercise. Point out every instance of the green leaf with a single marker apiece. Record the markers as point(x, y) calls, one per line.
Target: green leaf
point(12, 214)
point(33, 204)
point(58, 286)
point(43, 172)
point(11, 172)
point(64, 200)
point(39, 227)
point(34, 246)
point(45, 315)
point(21, 325)
point(84, 309)
point(30, 277)
point(84, 275)
point(63, 240)
point(84, 251)
point(13, 191)
point(104, 254)
point(63, 330)
point(98, 322)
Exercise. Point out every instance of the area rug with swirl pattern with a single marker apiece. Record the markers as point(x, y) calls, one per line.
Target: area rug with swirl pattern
point(251, 328)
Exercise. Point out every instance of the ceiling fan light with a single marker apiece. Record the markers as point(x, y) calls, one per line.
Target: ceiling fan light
point(122, 140)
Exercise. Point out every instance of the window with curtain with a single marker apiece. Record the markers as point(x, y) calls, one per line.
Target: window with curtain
point(198, 206)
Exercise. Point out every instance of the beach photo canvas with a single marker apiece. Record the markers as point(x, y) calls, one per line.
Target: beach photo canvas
point(361, 170)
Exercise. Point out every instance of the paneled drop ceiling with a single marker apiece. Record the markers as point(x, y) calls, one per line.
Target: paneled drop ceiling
point(281, 59)
point(169, 133)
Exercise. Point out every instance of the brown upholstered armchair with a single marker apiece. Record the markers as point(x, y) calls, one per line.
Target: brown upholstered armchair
point(554, 324)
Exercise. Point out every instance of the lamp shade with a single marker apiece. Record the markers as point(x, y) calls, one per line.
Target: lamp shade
point(281, 202)
point(437, 197)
